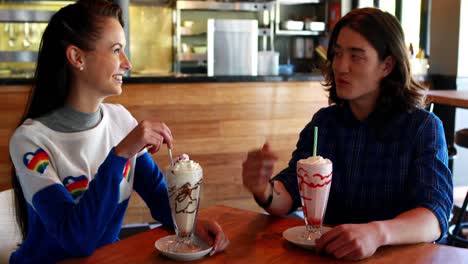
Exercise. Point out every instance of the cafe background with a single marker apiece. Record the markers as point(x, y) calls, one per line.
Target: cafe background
point(171, 36)
point(217, 119)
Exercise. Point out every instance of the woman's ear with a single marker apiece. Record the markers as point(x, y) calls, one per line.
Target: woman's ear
point(388, 65)
point(75, 57)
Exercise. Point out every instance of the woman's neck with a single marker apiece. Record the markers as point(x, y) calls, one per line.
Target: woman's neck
point(83, 100)
point(84, 106)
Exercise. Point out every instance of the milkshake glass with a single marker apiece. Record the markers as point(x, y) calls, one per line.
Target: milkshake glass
point(184, 181)
point(314, 176)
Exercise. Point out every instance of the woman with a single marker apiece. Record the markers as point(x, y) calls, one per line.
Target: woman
point(77, 159)
point(391, 184)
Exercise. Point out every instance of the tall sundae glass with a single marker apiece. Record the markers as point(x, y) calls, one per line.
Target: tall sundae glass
point(314, 176)
point(184, 179)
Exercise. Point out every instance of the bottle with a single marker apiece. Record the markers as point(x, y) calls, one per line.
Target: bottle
point(421, 54)
point(411, 50)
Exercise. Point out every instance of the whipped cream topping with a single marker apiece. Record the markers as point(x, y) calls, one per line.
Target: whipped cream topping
point(183, 163)
point(313, 160)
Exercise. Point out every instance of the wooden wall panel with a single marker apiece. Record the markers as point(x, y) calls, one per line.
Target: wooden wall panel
point(215, 123)
point(14, 99)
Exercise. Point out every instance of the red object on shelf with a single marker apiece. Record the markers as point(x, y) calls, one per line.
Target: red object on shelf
point(334, 15)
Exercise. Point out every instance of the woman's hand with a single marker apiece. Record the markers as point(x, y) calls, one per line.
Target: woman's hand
point(212, 233)
point(258, 169)
point(351, 241)
point(151, 134)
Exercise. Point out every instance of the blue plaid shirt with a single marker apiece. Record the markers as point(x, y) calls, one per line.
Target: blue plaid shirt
point(380, 169)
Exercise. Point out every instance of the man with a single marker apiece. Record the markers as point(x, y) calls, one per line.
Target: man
point(391, 184)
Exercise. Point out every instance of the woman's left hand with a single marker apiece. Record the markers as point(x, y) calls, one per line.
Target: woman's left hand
point(212, 233)
point(351, 241)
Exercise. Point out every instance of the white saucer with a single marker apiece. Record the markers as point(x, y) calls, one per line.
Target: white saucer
point(293, 235)
point(163, 246)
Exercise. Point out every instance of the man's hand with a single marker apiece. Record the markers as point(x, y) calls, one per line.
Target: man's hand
point(258, 169)
point(351, 241)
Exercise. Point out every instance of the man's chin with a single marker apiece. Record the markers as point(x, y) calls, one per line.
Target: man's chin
point(343, 96)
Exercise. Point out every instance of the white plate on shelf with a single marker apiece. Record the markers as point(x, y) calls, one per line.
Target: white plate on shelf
point(162, 245)
point(293, 235)
point(292, 25)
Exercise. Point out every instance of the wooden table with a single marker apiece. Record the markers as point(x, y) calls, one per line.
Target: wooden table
point(257, 238)
point(448, 97)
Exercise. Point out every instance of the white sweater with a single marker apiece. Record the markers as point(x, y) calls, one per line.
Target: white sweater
point(77, 189)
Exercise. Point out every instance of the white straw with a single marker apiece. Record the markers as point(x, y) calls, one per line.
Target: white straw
point(169, 151)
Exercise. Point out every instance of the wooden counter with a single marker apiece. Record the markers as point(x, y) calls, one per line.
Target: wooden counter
point(215, 123)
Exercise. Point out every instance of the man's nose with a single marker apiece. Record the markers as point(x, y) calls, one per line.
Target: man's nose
point(340, 64)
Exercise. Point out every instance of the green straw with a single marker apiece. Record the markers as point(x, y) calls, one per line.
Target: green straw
point(315, 140)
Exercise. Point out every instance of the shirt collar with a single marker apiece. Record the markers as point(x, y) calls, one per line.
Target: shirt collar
point(347, 116)
point(383, 125)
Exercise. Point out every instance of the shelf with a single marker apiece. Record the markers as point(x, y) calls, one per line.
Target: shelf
point(10, 15)
point(262, 10)
point(224, 6)
point(261, 32)
point(299, 2)
point(193, 57)
point(201, 34)
point(18, 56)
point(281, 32)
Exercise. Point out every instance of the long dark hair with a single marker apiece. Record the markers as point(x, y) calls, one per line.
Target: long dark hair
point(78, 24)
point(399, 91)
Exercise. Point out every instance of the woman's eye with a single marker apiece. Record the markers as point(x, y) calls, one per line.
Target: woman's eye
point(117, 51)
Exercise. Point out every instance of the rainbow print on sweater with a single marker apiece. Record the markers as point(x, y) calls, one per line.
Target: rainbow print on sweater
point(36, 161)
point(76, 186)
point(127, 171)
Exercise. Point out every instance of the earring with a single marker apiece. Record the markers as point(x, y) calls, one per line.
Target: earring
point(81, 68)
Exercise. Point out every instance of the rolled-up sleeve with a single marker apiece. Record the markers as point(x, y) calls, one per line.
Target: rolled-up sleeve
point(431, 180)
